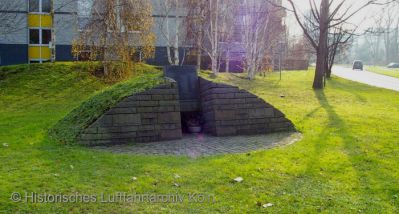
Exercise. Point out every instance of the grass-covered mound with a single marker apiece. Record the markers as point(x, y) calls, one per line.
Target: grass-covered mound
point(45, 85)
point(347, 161)
point(60, 68)
point(68, 129)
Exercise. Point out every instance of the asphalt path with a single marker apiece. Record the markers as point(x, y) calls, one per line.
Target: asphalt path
point(367, 77)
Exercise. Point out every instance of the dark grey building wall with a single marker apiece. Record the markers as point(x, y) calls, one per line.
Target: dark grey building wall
point(161, 56)
point(12, 54)
point(64, 53)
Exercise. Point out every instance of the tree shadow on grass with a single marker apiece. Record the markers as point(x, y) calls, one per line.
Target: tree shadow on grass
point(352, 88)
point(359, 159)
point(359, 176)
point(251, 85)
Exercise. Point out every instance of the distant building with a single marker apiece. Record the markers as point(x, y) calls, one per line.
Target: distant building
point(36, 31)
point(33, 34)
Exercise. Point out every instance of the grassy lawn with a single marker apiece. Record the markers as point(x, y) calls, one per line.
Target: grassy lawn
point(393, 72)
point(347, 162)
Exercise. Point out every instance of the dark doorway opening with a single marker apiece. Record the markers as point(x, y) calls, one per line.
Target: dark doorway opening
point(192, 122)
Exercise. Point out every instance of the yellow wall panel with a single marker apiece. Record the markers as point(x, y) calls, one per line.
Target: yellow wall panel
point(34, 20)
point(34, 52)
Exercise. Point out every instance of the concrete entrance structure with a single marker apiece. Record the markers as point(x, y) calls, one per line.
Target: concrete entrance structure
point(155, 115)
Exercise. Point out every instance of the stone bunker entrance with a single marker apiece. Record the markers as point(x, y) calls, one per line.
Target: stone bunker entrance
point(183, 103)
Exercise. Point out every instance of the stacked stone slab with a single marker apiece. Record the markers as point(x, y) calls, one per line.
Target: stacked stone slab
point(152, 115)
point(228, 110)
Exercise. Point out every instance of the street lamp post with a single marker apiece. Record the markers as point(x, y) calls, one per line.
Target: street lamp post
point(281, 43)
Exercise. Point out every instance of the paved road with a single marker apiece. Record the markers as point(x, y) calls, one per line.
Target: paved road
point(367, 77)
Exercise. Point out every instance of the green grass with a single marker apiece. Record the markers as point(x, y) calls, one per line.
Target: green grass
point(347, 161)
point(393, 72)
point(69, 128)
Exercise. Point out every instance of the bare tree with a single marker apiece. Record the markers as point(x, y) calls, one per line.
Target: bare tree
point(207, 26)
point(195, 23)
point(214, 26)
point(396, 41)
point(337, 42)
point(172, 10)
point(227, 33)
point(260, 32)
point(116, 31)
point(10, 20)
point(328, 14)
point(390, 22)
point(214, 11)
point(382, 38)
point(373, 37)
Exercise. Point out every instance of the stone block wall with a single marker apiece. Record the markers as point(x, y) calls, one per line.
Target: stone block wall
point(228, 111)
point(152, 115)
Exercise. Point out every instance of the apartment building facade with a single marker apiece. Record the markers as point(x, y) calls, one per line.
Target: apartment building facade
point(35, 31)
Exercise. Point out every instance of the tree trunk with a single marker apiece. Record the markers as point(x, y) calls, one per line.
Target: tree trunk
point(252, 69)
point(169, 55)
point(396, 45)
point(388, 46)
point(168, 38)
point(176, 43)
point(251, 72)
point(105, 68)
point(322, 51)
point(331, 60)
point(320, 69)
point(377, 57)
point(227, 61)
point(176, 55)
point(214, 65)
point(216, 40)
point(329, 70)
point(199, 53)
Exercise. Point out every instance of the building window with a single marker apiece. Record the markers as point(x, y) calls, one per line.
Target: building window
point(34, 36)
point(39, 36)
point(34, 6)
point(40, 6)
point(46, 6)
point(46, 37)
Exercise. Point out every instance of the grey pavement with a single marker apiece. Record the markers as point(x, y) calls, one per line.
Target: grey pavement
point(205, 145)
point(366, 77)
